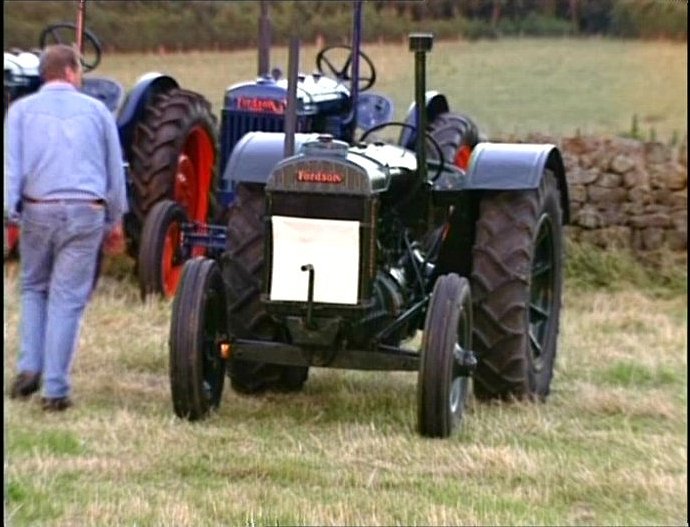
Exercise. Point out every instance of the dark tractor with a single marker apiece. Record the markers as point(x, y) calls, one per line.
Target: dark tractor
point(349, 251)
point(168, 135)
point(328, 101)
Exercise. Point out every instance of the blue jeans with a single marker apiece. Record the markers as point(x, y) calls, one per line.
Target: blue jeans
point(58, 249)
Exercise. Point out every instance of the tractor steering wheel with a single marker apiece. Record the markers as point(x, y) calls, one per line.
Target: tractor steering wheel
point(429, 137)
point(66, 33)
point(345, 72)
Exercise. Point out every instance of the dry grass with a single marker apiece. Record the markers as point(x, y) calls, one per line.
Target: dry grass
point(609, 447)
point(555, 86)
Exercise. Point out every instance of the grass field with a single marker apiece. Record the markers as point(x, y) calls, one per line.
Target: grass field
point(609, 446)
point(555, 86)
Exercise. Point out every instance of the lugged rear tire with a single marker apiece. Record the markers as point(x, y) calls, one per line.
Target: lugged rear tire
point(517, 281)
point(197, 330)
point(243, 265)
point(456, 135)
point(174, 151)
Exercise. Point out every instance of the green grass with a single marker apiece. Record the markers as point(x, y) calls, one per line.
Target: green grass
point(510, 86)
point(608, 447)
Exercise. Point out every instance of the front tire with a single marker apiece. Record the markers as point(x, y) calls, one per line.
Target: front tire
point(197, 336)
point(443, 385)
point(161, 255)
point(517, 282)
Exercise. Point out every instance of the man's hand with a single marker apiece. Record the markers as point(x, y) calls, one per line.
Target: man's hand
point(114, 242)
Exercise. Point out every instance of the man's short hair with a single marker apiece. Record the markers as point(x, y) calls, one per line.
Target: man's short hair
point(54, 59)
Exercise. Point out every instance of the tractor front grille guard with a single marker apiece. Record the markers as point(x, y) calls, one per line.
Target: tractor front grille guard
point(236, 124)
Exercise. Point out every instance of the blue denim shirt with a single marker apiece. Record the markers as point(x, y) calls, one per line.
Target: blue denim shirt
point(63, 144)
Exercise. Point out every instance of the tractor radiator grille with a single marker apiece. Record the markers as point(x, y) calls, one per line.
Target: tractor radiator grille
point(236, 124)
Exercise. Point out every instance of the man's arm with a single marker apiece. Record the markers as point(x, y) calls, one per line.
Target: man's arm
point(116, 188)
point(13, 163)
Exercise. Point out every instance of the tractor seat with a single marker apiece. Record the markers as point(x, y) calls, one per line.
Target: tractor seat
point(105, 90)
point(373, 109)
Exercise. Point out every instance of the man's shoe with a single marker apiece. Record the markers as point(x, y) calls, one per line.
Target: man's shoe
point(56, 404)
point(25, 384)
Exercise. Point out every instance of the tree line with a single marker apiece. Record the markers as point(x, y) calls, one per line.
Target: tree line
point(143, 25)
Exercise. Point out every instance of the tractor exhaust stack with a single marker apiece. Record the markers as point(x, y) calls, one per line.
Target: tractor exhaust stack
point(81, 15)
point(421, 44)
point(264, 62)
point(291, 110)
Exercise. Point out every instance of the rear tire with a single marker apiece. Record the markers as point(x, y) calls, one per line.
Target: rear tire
point(517, 281)
point(197, 330)
point(456, 135)
point(243, 265)
point(174, 151)
point(442, 387)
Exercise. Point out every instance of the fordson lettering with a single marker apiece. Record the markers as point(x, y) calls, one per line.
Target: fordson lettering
point(305, 176)
point(257, 104)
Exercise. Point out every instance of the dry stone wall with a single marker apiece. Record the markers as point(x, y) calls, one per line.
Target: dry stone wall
point(626, 193)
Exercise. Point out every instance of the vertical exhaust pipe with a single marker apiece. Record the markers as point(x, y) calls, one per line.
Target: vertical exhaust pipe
point(81, 16)
point(421, 44)
point(291, 110)
point(354, 85)
point(264, 40)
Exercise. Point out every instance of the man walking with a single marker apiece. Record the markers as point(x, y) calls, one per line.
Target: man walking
point(66, 186)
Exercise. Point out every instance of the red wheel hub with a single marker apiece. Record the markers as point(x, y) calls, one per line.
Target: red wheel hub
point(172, 259)
point(193, 175)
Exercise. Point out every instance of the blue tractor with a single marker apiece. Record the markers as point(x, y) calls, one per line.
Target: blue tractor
point(328, 101)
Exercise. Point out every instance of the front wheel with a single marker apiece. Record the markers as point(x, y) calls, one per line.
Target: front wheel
point(161, 256)
point(446, 361)
point(198, 340)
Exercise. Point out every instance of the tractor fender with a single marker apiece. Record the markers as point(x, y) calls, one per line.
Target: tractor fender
point(516, 166)
point(436, 103)
point(254, 156)
point(146, 87)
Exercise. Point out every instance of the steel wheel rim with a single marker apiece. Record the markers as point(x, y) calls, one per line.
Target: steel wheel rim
point(458, 382)
point(193, 174)
point(542, 286)
point(212, 364)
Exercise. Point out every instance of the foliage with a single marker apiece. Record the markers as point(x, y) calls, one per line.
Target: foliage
point(649, 19)
point(135, 25)
point(662, 274)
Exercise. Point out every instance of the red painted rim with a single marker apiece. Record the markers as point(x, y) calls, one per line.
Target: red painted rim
point(193, 174)
point(170, 262)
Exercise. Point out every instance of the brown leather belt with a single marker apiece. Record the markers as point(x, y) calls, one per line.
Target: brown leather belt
point(66, 200)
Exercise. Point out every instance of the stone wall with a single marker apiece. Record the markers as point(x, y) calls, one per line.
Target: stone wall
point(626, 193)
